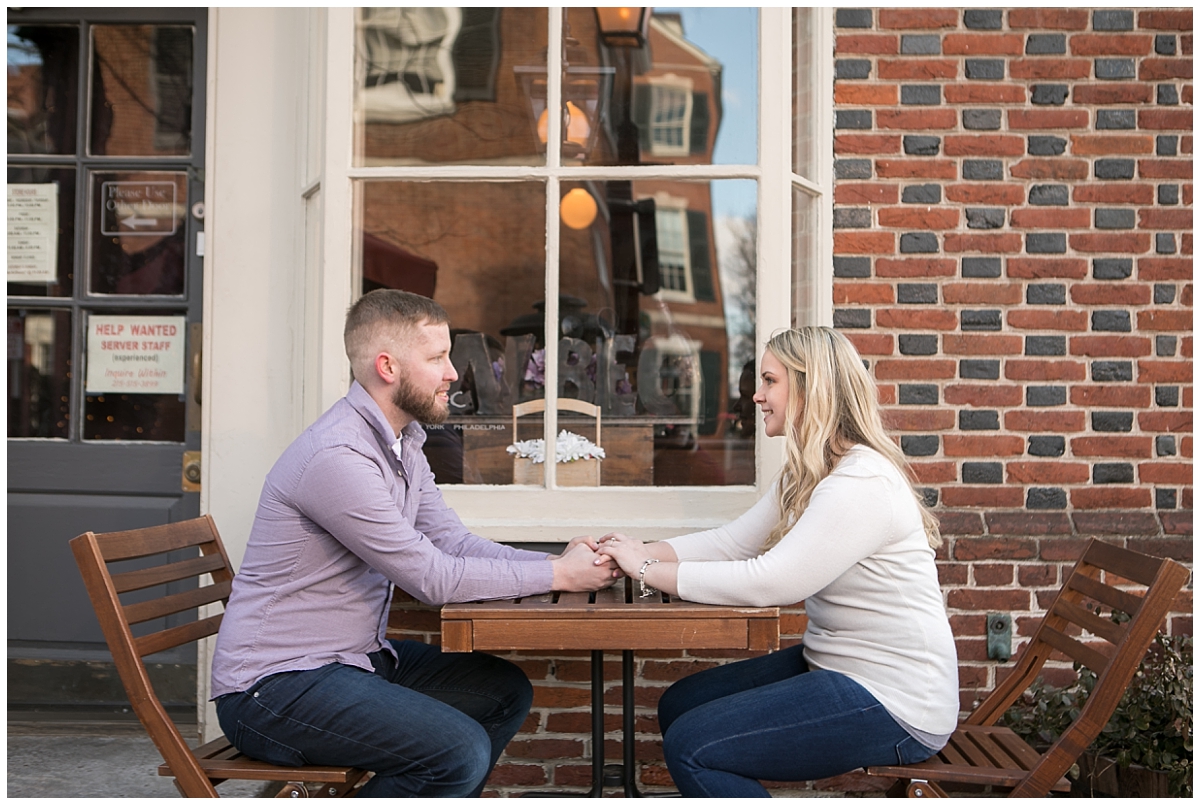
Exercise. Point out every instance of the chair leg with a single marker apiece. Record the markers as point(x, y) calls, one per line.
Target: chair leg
point(293, 791)
point(926, 789)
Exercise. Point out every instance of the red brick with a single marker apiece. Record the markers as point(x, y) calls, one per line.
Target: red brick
point(868, 144)
point(916, 169)
point(1055, 19)
point(1082, 145)
point(544, 696)
point(1107, 44)
point(1038, 576)
point(1164, 320)
point(1045, 421)
point(1044, 370)
point(509, 774)
point(1004, 600)
point(1165, 371)
point(1153, 269)
point(887, 393)
point(1109, 346)
point(1176, 522)
point(864, 242)
point(1027, 523)
point(1165, 474)
point(882, 44)
point(1102, 94)
point(1127, 243)
point(984, 145)
point(1021, 119)
point(1111, 446)
point(1061, 69)
point(1164, 69)
point(1050, 168)
point(915, 267)
point(916, 119)
point(1109, 497)
point(1185, 447)
point(976, 293)
point(1114, 193)
point(917, 216)
point(926, 369)
point(917, 419)
point(916, 319)
point(952, 522)
point(971, 446)
point(983, 396)
point(1047, 472)
point(1165, 168)
point(935, 472)
point(1179, 550)
point(855, 93)
point(545, 748)
point(1122, 396)
point(993, 575)
point(975, 44)
point(1051, 218)
point(1006, 194)
point(993, 548)
point(865, 193)
point(870, 344)
point(1036, 268)
point(1166, 20)
point(1107, 293)
point(1165, 421)
point(1062, 550)
point(998, 243)
point(863, 293)
point(1164, 119)
point(918, 68)
point(984, 93)
point(973, 344)
point(919, 18)
point(1030, 319)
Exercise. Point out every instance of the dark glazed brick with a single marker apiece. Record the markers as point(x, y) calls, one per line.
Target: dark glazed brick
point(1043, 145)
point(1111, 321)
point(982, 472)
point(852, 119)
point(1045, 44)
point(852, 68)
point(1046, 243)
point(1114, 168)
point(917, 293)
point(919, 445)
point(1115, 69)
point(1045, 345)
point(1112, 268)
point(920, 44)
point(852, 319)
point(1168, 194)
point(1112, 371)
point(1046, 295)
point(1044, 195)
point(985, 69)
point(985, 217)
point(1166, 396)
point(1164, 243)
point(1167, 95)
point(1045, 497)
point(1164, 44)
point(1112, 20)
point(1116, 119)
point(1164, 346)
point(979, 420)
point(918, 243)
point(922, 194)
point(1043, 396)
point(1115, 219)
point(983, 19)
point(981, 119)
point(1047, 446)
point(851, 217)
point(1164, 294)
point(976, 320)
point(851, 267)
point(1166, 145)
point(1164, 498)
point(1112, 474)
point(853, 18)
point(980, 267)
point(1112, 421)
point(918, 394)
point(921, 146)
point(979, 369)
point(918, 344)
point(1164, 445)
point(928, 496)
point(920, 94)
point(852, 168)
point(1050, 94)
point(982, 170)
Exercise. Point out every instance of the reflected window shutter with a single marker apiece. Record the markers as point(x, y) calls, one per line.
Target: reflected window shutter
point(641, 114)
point(702, 279)
point(698, 136)
point(476, 55)
point(710, 375)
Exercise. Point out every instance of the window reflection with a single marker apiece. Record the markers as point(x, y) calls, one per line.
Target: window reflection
point(43, 70)
point(39, 373)
point(137, 234)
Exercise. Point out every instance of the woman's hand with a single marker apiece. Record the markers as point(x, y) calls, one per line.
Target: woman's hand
point(627, 552)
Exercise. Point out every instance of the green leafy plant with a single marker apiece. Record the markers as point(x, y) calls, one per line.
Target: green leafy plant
point(1151, 727)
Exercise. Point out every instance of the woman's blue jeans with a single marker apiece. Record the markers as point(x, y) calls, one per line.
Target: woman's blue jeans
point(428, 725)
point(771, 718)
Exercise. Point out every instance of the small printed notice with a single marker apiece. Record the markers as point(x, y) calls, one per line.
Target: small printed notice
point(33, 232)
point(135, 354)
point(137, 208)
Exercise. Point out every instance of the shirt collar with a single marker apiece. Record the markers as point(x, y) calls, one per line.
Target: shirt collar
point(398, 447)
point(369, 410)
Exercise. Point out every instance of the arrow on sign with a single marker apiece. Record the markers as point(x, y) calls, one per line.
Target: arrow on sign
point(133, 222)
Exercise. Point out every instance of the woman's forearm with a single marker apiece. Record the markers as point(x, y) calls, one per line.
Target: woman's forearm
point(663, 575)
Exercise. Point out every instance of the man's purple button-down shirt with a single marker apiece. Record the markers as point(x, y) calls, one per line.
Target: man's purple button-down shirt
point(341, 520)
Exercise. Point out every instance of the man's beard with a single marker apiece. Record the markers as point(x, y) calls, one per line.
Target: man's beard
point(420, 405)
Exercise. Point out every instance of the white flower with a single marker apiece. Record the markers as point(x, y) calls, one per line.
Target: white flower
point(569, 447)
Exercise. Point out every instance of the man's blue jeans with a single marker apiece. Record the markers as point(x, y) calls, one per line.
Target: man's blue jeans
point(429, 725)
point(771, 718)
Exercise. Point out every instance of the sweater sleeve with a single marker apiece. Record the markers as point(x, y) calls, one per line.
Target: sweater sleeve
point(741, 539)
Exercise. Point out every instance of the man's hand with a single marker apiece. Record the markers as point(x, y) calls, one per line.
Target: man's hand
point(589, 541)
point(576, 570)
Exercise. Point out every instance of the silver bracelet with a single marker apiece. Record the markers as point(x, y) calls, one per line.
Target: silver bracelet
point(646, 591)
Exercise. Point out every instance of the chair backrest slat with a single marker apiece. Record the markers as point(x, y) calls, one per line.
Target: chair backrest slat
point(1109, 596)
point(177, 636)
point(179, 602)
point(164, 574)
point(1134, 566)
point(1094, 658)
point(119, 545)
point(1090, 621)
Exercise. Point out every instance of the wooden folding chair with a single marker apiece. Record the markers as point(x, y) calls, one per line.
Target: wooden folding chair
point(197, 772)
point(981, 753)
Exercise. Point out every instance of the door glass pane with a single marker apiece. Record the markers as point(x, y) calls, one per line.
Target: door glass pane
point(137, 243)
point(803, 114)
point(804, 259)
point(657, 326)
point(445, 85)
point(43, 79)
point(479, 250)
point(41, 231)
point(141, 103)
point(39, 373)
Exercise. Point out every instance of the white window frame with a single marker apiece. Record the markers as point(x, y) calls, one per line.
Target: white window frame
point(552, 514)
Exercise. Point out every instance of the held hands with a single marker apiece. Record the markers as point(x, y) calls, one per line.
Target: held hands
point(627, 552)
point(580, 569)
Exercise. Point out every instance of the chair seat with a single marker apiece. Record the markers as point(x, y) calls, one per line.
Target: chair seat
point(977, 755)
point(220, 760)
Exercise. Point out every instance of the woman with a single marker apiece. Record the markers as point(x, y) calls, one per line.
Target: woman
point(876, 678)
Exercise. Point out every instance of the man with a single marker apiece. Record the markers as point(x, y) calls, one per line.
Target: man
point(302, 671)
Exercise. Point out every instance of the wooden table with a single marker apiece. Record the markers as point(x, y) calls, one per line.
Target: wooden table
point(613, 619)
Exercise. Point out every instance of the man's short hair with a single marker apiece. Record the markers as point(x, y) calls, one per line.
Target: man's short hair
point(381, 310)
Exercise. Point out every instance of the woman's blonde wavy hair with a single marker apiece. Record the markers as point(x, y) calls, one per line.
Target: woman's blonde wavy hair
point(840, 402)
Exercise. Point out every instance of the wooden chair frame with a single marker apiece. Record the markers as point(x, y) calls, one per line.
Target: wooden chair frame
point(197, 772)
point(982, 753)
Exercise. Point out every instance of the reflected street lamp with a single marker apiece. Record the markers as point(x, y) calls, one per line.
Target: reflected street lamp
point(623, 27)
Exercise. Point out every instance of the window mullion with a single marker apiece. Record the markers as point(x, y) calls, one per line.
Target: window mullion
point(554, 165)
